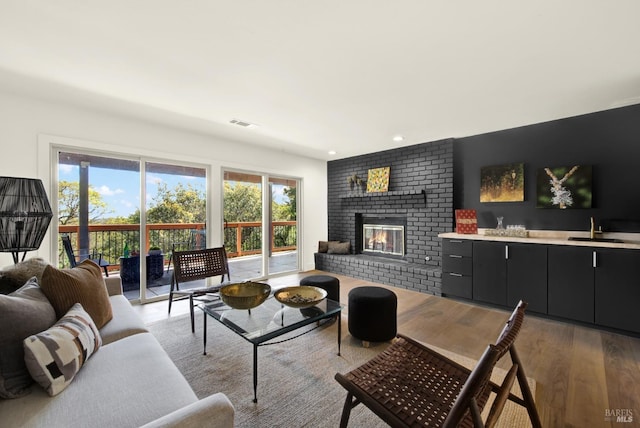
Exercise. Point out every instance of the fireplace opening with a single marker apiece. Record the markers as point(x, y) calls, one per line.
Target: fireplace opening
point(381, 236)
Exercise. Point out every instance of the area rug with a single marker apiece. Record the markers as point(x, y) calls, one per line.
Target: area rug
point(296, 385)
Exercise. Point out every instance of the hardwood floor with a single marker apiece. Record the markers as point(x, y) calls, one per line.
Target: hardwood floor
point(580, 372)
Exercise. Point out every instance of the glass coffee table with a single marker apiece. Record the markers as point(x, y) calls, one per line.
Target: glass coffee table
point(268, 321)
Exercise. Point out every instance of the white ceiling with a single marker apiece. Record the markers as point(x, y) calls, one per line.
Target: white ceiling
point(343, 75)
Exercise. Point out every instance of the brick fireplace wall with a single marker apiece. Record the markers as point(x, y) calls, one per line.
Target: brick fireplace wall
point(420, 188)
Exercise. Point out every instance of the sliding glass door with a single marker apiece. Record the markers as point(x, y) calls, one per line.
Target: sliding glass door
point(283, 227)
point(99, 200)
point(175, 219)
point(260, 224)
point(242, 217)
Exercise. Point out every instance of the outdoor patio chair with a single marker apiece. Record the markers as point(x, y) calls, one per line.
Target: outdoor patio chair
point(197, 241)
point(411, 385)
point(74, 260)
point(192, 265)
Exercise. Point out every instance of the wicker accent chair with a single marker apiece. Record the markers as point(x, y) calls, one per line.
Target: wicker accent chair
point(197, 241)
point(194, 265)
point(411, 385)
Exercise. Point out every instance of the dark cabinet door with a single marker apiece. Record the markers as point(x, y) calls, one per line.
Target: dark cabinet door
point(489, 273)
point(617, 289)
point(457, 268)
point(571, 283)
point(527, 276)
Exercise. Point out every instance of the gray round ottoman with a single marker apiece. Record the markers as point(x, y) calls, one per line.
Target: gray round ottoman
point(326, 282)
point(372, 314)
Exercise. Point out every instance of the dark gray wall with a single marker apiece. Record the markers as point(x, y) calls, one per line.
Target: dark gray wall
point(608, 140)
point(449, 170)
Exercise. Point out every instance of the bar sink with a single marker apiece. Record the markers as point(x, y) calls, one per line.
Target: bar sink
point(587, 239)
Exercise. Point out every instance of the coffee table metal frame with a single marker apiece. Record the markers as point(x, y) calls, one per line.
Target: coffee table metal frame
point(268, 321)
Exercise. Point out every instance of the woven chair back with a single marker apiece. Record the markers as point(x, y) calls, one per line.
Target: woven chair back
point(192, 265)
point(507, 337)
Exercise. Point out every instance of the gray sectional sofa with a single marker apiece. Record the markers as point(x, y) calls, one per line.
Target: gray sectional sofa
point(128, 382)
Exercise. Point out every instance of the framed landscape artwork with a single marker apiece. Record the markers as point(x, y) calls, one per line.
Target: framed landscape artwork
point(502, 183)
point(564, 187)
point(378, 179)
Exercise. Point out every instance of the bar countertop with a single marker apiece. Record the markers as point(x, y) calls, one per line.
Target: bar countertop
point(630, 241)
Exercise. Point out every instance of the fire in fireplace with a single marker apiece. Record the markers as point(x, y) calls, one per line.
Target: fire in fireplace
point(383, 236)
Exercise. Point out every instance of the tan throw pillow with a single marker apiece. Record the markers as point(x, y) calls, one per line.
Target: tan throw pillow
point(83, 284)
point(22, 313)
point(339, 248)
point(55, 356)
point(323, 246)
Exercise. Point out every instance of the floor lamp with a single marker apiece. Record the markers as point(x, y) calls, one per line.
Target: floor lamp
point(25, 215)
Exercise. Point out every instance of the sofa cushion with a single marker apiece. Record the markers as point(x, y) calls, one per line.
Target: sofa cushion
point(125, 321)
point(54, 356)
point(22, 313)
point(15, 276)
point(127, 383)
point(83, 284)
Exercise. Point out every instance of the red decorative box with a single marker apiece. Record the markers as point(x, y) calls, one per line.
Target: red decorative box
point(466, 221)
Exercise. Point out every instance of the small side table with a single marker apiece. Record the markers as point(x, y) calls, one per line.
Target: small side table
point(130, 267)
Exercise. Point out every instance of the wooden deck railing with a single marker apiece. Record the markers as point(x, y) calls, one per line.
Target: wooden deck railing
point(240, 238)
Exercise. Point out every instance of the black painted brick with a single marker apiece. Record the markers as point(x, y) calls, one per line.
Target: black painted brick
point(426, 166)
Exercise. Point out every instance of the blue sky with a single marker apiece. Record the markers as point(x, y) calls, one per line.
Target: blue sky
point(120, 189)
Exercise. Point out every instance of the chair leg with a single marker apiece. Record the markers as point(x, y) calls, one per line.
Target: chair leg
point(526, 391)
point(349, 403)
point(193, 324)
point(171, 292)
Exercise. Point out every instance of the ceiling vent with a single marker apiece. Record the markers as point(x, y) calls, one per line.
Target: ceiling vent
point(241, 123)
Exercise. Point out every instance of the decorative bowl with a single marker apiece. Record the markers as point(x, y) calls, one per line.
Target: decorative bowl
point(303, 296)
point(244, 295)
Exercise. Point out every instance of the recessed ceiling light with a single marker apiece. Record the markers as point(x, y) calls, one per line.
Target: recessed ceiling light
point(398, 138)
point(332, 152)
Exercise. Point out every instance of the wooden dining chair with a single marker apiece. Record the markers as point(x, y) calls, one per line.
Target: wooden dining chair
point(412, 385)
point(192, 265)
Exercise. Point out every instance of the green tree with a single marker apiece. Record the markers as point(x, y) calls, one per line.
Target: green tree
point(181, 204)
point(242, 202)
point(285, 211)
point(69, 203)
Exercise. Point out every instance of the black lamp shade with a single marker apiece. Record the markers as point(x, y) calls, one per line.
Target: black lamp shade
point(25, 214)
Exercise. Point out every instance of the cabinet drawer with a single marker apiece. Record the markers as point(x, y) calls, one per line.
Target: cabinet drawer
point(459, 247)
point(454, 284)
point(457, 264)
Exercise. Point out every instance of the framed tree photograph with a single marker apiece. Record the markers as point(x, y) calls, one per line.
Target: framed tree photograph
point(502, 183)
point(564, 187)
